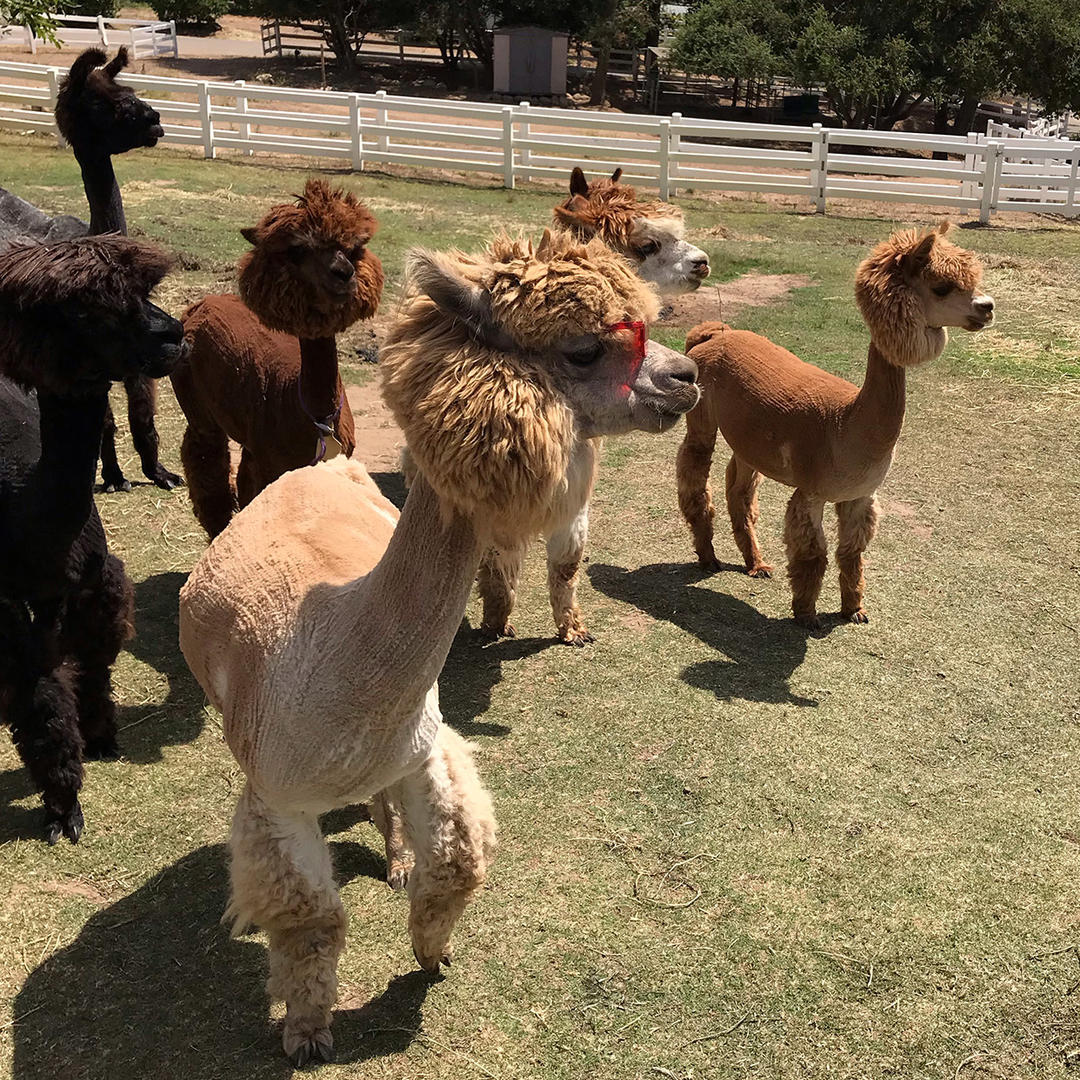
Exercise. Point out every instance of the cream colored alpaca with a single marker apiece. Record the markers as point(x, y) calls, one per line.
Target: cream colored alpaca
point(318, 621)
point(650, 236)
point(799, 425)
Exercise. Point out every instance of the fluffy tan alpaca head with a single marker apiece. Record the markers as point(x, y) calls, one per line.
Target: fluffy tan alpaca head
point(914, 285)
point(499, 362)
point(649, 234)
point(309, 272)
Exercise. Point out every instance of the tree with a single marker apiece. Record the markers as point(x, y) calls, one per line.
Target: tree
point(31, 13)
point(343, 24)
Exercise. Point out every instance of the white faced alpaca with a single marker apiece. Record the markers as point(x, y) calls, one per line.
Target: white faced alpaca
point(650, 234)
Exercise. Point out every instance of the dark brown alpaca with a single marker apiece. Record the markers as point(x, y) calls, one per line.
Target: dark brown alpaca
point(273, 385)
point(99, 118)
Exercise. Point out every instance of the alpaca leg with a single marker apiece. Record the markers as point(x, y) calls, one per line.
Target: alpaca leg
point(98, 622)
point(450, 823)
point(565, 548)
point(249, 481)
point(742, 482)
point(44, 720)
point(807, 556)
point(112, 476)
point(857, 522)
point(692, 466)
point(205, 456)
point(282, 881)
point(497, 579)
point(386, 815)
point(142, 404)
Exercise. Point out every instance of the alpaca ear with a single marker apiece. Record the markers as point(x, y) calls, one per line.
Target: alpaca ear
point(455, 295)
point(572, 214)
point(117, 63)
point(250, 233)
point(944, 228)
point(79, 71)
point(616, 174)
point(917, 258)
point(578, 184)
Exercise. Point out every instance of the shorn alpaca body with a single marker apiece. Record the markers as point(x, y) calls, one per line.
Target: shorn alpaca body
point(99, 117)
point(815, 432)
point(74, 316)
point(272, 385)
point(322, 646)
point(650, 235)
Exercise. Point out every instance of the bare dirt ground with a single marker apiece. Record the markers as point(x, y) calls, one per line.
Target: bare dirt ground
point(725, 300)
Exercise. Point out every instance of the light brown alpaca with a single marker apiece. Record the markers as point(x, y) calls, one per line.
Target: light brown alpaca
point(799, 425)
point(650, 237)
point(321, 646)
point(263, 369)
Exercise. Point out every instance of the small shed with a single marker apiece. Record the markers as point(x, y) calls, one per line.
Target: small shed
point(530, 61)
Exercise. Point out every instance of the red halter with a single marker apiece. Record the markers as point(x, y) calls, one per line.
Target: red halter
point(641, 338)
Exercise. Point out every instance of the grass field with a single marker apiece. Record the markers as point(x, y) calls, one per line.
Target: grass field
point(728, 849)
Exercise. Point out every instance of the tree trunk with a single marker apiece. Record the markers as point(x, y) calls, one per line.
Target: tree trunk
point(339, 39)
point(965, 115)
point(606, 27)
point(652, 37)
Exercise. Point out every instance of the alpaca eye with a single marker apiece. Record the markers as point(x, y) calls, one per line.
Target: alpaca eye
point(942, 290)
point(650, 247)
point(585, 354)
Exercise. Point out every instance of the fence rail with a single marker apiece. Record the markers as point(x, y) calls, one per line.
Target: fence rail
point(976, 174)
point(144, 37)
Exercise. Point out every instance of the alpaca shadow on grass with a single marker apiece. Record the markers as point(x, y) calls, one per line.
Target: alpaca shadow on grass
point(19, 822)
point(154, 986)
point(145, 729)
point(762, 653)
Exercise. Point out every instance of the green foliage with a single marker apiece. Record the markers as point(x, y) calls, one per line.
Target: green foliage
point(735, 39)
point(342, 23)
point(107, 8)
point(190, 12)
point(32, 13)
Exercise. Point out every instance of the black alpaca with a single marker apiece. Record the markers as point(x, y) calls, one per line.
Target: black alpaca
point(99, 118)
point(74, 316)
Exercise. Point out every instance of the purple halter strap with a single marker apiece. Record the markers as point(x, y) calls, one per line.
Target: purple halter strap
point(324, 427)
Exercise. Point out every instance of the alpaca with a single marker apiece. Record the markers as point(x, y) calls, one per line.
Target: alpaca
point(98, 117)
point(74, 316)
point(321, 646)
point(808, 429)
point(273, 385)
point(650, 236)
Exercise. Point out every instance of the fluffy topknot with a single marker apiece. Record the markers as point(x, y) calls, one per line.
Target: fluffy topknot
point(887, 300)
point(270, 281)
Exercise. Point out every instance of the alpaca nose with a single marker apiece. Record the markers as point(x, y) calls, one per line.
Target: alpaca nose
point(984, 305)
point(341, 267)
point(700, 265)
point(679, 371)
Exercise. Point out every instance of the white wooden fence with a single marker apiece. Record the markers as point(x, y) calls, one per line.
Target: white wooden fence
point(976, 174)
point(144, 37)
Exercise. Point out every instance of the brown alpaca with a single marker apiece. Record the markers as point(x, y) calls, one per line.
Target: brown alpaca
point(801, 426)
point(650, 236)
point(321, 646)
point(273, 385)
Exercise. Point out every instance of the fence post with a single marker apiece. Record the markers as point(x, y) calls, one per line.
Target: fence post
point(31, 41)
point(967, 190)
point(819, 170)
point(1070, 195)
point(524, 154)
point(664, 178)
point(508, 146)
point(356, 134)
point(991, 175)
point(401, 46)
point(54, 87)
point(101, 32)
point(205, 122)
point(134, 47)
point(382, 141)
point(676, 146)
point(244, 128)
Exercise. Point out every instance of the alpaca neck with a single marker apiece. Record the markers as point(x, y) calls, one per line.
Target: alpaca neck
point(409, 607)
point(878, 410)
point(103, 194)
point(319, 393)
point(70, 441)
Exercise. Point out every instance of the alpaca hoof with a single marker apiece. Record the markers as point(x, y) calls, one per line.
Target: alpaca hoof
point(165, 479)
point(70, 825)
point(858, 616)
point(761, 571)
point(578, 636)
point(305, 1043)
point(397, 877)
point(709, 563)
point(810, 622)
point(493, 633)
point(113, 485)
point(103, 748)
